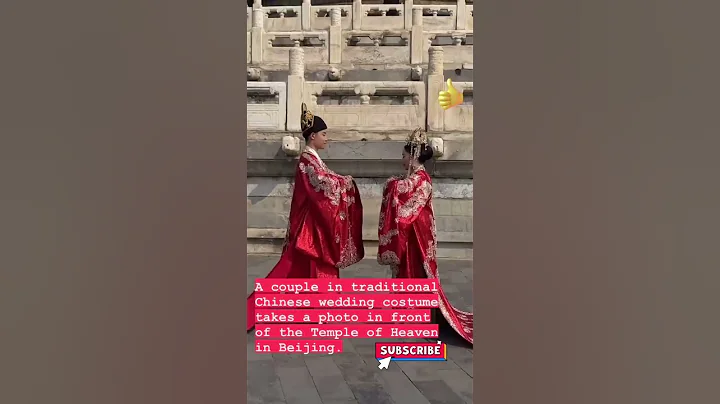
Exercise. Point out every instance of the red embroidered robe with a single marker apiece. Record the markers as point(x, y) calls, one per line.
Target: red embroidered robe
point(408, 239)
point(324, 233)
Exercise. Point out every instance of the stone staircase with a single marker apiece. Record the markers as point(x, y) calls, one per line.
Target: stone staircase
point(372, 72)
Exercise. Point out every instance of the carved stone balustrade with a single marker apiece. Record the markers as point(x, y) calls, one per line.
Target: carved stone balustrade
point(360, 33)
point(460, 118)
point(267, 105)
point(368, 105)
point(358, 105)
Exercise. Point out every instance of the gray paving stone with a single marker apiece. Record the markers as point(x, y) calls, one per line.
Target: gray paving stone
point(425, 371)
point(329, 380)
point(352, 377)
point(460, 382)
point(363, 378)
point(438, 392)
point(371, 393)
point(297, 384)
point(263, 383)
point(401, 389)
point(355, 370)
point(463, 358)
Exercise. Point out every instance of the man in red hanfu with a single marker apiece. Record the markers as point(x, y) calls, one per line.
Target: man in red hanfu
point(324, 233)
point(407, 236)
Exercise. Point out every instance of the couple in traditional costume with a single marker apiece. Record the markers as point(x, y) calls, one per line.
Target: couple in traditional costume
point(324, 233)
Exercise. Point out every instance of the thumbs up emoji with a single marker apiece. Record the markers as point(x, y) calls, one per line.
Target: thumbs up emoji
point(451, 97)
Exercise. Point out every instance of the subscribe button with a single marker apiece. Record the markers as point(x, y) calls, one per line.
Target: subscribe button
point(411, 351)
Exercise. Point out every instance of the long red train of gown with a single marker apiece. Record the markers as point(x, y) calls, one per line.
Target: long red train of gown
point(324, 233)
point(407, 239)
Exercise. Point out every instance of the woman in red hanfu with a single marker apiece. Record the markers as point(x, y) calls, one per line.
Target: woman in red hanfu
point(406, 233)
point(324, 233)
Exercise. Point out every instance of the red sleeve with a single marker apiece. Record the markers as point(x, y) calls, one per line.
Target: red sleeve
point(329, 231)
point(403, 201)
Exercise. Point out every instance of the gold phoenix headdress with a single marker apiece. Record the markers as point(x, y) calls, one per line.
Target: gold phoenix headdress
point(417, 140)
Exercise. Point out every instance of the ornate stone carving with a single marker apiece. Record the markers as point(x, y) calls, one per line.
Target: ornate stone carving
point(416, 73)
point(438, 146)
point(297, 62)
point(435, 65)
point(417, 15)
point(291, 146)
point(365, 88)
point(258, 17)
point(334, 74)
point(253, 74)
point(335, 15)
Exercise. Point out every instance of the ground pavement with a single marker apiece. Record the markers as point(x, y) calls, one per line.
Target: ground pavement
point(353, 377)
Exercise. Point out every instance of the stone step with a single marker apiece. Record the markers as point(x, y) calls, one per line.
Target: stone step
point(451, 198)
point(268, 205)
point(285, 167)
point(369, 159)
point(350, 136)
point(369, 234)
point(459, 251)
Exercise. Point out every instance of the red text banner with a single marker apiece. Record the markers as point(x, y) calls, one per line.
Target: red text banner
point(349, 301)
point(346, 285)
point(305, 347)
point(346, 331)
point(316, 316)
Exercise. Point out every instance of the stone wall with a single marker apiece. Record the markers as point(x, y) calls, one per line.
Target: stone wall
point(269, 205)
point(380, 34)
point(373, 73)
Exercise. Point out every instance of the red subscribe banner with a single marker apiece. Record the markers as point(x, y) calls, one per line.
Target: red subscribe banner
point(411, 351)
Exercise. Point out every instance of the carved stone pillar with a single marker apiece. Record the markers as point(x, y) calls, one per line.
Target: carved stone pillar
point(335, 39)
point(436, 60)
point(297, 62)
point(357, 14)
point(258, 19)
point(435, 84)
point(295, 88)
point(461, 16)
point(417, 41)
point(306, 15)
point(257, 32)
point(408, 13)
point(335, 17)
point(417, 17)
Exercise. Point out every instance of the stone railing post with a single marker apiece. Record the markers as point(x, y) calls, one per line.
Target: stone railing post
point(257, 33)
point(417, 37)
point(295, 88)
point(407, 13)
point(461, 15)
point(435, 84)
point(335, 36)
point(306, 15)
point(357, 14)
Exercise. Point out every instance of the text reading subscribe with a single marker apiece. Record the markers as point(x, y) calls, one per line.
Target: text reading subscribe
point(347, 331)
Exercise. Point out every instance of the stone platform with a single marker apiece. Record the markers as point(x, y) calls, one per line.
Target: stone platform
point(352, 377)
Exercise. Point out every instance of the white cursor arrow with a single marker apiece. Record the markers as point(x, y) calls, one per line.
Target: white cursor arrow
point(384, 363)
